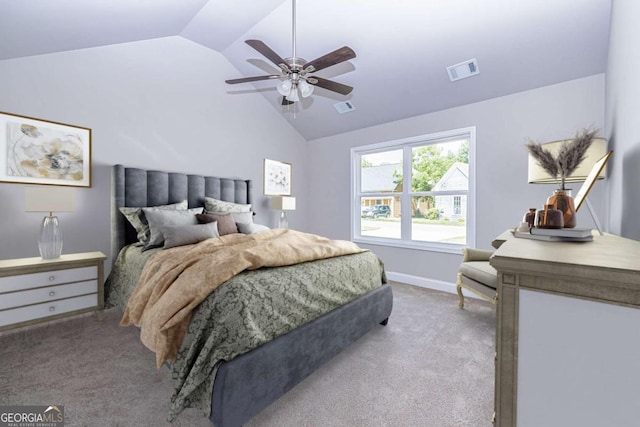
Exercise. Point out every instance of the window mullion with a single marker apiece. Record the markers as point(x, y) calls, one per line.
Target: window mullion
point(405, 218)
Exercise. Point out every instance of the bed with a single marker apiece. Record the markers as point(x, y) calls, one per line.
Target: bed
point(248, 383)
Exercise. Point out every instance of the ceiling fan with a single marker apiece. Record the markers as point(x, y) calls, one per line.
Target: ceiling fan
point(295, 78)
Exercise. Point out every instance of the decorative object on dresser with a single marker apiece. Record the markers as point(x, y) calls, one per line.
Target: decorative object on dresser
point(562, 162)
point(284, 204)
point(277, 178)
point(33, 290)
point(44, 152)
point(49, 199)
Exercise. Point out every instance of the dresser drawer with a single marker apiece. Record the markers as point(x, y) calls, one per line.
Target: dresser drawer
point(55, 277)
point(30, 312)
point(50, 293)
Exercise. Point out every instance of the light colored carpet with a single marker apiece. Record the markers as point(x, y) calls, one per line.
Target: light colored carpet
point(432, 365)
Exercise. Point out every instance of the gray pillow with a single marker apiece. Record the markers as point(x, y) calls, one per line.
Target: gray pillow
point(215, 205)
point(159, 218)
point(189, 234)
point(137, 219)
point(250, 228)
point(246, 217)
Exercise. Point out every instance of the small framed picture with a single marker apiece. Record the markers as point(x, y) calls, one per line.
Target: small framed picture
point(277, 178)
point(35, 151)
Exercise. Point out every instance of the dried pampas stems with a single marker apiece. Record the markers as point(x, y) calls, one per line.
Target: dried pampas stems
point(569, 157)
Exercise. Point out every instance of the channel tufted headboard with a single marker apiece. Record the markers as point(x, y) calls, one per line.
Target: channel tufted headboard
point(144, 188)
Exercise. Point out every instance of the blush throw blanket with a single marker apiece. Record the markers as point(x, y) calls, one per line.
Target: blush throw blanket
point(175, 281)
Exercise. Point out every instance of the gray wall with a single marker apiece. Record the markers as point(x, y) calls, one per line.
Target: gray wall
point(622, 119)
point(503, 195)
point(159, 104)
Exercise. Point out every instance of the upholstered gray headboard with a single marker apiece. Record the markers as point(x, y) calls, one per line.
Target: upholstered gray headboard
point(138, 187)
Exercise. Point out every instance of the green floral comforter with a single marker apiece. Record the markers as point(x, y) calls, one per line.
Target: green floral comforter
point(249, 310)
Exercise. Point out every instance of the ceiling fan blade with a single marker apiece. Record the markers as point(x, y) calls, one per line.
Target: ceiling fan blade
point(329, 85)
point(285, 101)
point(345, 53)
point(268, 53)
point(252, 79)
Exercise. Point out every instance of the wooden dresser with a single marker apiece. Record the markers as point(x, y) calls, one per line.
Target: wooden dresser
point(34, 290)
point(568, 333)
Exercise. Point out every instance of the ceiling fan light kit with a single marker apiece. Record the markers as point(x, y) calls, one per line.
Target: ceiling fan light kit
point(295, 79)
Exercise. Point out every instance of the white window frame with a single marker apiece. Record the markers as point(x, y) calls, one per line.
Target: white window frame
point(405, 196)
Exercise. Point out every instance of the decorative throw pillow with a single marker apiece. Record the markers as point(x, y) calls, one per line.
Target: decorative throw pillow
point(246, 217)
point(159, 218)
point(215, 205)
point(137, 219)
point(250, 228)
point(226, 224)
point(188, 234)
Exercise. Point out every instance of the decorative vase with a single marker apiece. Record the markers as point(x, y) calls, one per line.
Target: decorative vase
point(563, 201)
point(529, 217)
point(549, 217)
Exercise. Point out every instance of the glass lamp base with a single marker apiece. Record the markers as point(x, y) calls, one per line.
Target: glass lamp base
point(284, 222)
point(50, 239)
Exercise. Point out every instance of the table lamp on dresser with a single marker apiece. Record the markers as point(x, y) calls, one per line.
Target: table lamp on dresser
point(49, 199)
point(284, 204)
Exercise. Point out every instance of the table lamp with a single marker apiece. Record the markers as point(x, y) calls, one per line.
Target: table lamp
point(49, 199)
point(284, 204)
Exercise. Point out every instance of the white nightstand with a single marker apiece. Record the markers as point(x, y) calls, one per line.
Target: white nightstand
point(33, 290)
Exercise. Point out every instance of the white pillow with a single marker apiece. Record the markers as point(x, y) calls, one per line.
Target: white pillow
point(250, 228)
point(158, 218)
point(215, 205)
point(189, 234)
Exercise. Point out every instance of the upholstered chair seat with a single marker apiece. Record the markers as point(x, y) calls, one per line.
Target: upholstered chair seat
point(477, 275)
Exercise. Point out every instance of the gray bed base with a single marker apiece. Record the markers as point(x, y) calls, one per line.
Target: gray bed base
point(249, 383)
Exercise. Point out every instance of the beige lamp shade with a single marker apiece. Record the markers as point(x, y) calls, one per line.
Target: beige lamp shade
point(49, 199)
point(283, 203)
point(598, 148)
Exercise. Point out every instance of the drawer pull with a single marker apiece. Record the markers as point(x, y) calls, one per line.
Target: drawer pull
point(52, 278)
point(52, 308)
point(51, 294)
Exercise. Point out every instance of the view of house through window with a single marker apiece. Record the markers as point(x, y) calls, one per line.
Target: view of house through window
point(413, 191)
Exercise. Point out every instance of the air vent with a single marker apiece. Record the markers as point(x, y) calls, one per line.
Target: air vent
point(463, 70)
point(344, 107)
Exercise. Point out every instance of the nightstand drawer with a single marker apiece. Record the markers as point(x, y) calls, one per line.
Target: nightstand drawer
point(23, 314)
point(48, 278)
point(50, 293)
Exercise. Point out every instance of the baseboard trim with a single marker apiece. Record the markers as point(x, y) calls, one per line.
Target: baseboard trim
point(423, 282)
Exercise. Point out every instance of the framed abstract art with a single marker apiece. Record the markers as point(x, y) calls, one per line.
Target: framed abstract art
point(35, 151)
point(277, 178)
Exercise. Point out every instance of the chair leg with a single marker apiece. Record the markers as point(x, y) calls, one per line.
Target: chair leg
point(460, 296)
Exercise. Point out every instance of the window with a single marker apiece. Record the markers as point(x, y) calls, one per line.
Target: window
point(415, 192)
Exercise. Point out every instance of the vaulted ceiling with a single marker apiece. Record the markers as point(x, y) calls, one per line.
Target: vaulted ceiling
point(403, 47)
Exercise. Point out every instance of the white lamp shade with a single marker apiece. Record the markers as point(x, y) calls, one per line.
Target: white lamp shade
point(305, 88)
point(283, 203)
point(49, 199)
point(284, 87)
point(293, 94)
point(598, 148)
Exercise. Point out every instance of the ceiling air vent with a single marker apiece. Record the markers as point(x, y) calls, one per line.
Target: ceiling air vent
point(344, 107)
point(463, 70)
